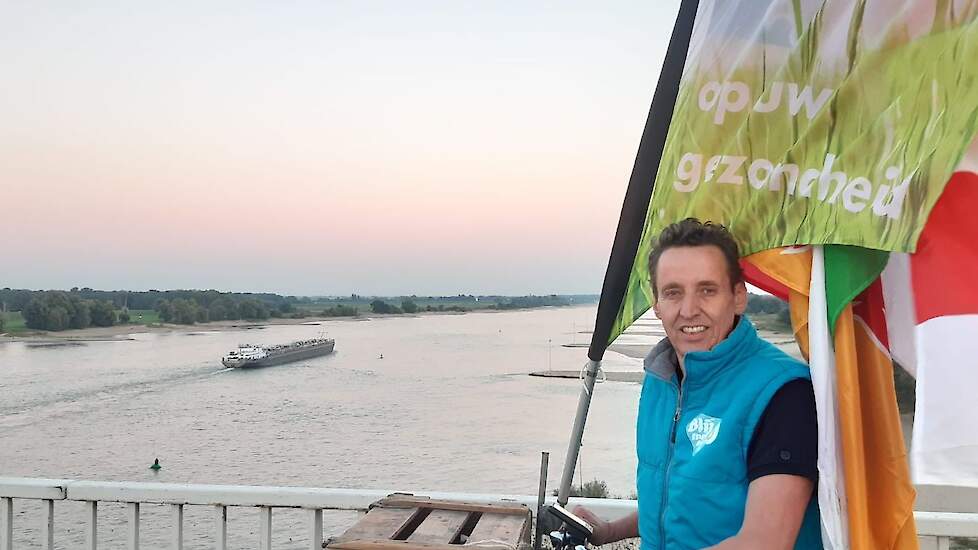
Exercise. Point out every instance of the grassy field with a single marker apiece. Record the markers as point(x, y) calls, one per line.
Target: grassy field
point(364, 307)
point(14, 322)
point(143, 317)
point(423, 302)
point(769, 321)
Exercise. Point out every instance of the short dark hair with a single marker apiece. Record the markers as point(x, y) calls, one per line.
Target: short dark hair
point(692, 232)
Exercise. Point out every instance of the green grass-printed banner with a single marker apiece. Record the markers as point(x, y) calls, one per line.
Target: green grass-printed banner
point(815, 122)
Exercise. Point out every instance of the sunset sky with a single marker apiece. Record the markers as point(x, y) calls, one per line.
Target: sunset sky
point(321, 147)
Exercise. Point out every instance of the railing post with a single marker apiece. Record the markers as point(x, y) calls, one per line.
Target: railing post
point(177, 512)
point(91, 513)
point(133, 513)
point(943, 543)
point(47, 528)
point(221, 527)
point(316, 532)
point(7, 517)
point(265, 528)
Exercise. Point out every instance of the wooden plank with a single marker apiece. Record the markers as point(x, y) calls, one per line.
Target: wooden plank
point(507, 528)
point(379, 523)
point(440, 527)
point(391, 545)
point(491, 508)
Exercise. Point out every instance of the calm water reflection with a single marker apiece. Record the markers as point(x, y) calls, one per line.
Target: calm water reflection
point(448, 408)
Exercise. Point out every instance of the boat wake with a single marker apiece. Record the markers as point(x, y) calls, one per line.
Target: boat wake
point(72, 401)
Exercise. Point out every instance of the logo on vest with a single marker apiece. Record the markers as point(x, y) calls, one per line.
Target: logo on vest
point(702, 431)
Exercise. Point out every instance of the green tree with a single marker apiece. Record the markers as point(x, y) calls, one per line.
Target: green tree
point(409, 306)
point(56, 311)
point(35, 313)
point(58, 318)
point(252, 310)
point(223, 308)
point(340, 311)
point(784, 319)
point(79, 314)
point(103, 313)
point(595, 488)
point(201, 313)
point(124, 317)
point(217, 312)
point(165, 309)
point(757, 303)
point(380, 306)
point(184, 311)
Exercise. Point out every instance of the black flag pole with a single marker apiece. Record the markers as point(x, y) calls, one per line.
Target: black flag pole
point(633, 213)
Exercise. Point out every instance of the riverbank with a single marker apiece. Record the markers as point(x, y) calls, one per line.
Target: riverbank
point(122, 333)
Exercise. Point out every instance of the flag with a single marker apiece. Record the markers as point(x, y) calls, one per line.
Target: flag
point(826, 130)
point(925, 305)
point(865, 490)
point(931, 299)
point(804, 122)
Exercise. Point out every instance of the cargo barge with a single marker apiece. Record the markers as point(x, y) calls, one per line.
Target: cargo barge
point(251, 356)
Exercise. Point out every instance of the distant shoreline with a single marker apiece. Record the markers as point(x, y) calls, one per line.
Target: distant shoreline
point(120, 333)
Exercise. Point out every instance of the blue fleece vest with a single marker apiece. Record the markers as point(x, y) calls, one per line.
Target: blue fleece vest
point(692, 442)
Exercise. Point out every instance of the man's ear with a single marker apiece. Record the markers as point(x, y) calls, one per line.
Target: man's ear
point(740, 297)
point(655, 307)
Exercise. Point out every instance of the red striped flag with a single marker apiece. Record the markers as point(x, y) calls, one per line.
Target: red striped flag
point(931, 301)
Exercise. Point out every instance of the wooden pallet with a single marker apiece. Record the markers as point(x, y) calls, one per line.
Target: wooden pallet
point(402, 522)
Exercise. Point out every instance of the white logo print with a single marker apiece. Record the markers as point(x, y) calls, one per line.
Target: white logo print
point(702, 431)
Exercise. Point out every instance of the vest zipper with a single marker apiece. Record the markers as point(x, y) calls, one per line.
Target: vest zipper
point(672, 447)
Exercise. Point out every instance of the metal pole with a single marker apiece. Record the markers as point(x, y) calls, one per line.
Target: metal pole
point(541, 497)
point(577, 433)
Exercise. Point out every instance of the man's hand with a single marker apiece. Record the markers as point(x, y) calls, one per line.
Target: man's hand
point(602, 528)
point(608, 531)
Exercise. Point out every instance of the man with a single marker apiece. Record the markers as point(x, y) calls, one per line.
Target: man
point(727, 436)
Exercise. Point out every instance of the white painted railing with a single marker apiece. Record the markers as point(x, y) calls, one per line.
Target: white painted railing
point(934, 528)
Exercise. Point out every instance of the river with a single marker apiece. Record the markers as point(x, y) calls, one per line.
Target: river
point(449, 407)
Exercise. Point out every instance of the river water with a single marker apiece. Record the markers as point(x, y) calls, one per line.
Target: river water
point(449, 407)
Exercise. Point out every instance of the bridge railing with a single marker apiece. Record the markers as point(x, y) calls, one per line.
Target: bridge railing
point(935, 528)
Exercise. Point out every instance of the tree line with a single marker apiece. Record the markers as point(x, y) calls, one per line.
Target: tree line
point(55, 310)
point(771, 305)
point(519, 302)
point(225, 308)
point(17, 299)
point(409, 306)
point(83, 307)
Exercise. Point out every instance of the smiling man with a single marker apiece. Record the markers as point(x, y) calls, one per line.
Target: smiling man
point(727, 438)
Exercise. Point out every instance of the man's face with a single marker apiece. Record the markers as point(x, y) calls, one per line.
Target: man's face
point(695, 302)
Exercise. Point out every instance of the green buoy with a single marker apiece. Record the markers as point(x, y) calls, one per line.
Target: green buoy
point(156, 465)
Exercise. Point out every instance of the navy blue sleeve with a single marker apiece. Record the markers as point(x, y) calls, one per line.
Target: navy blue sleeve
point(785, 440)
